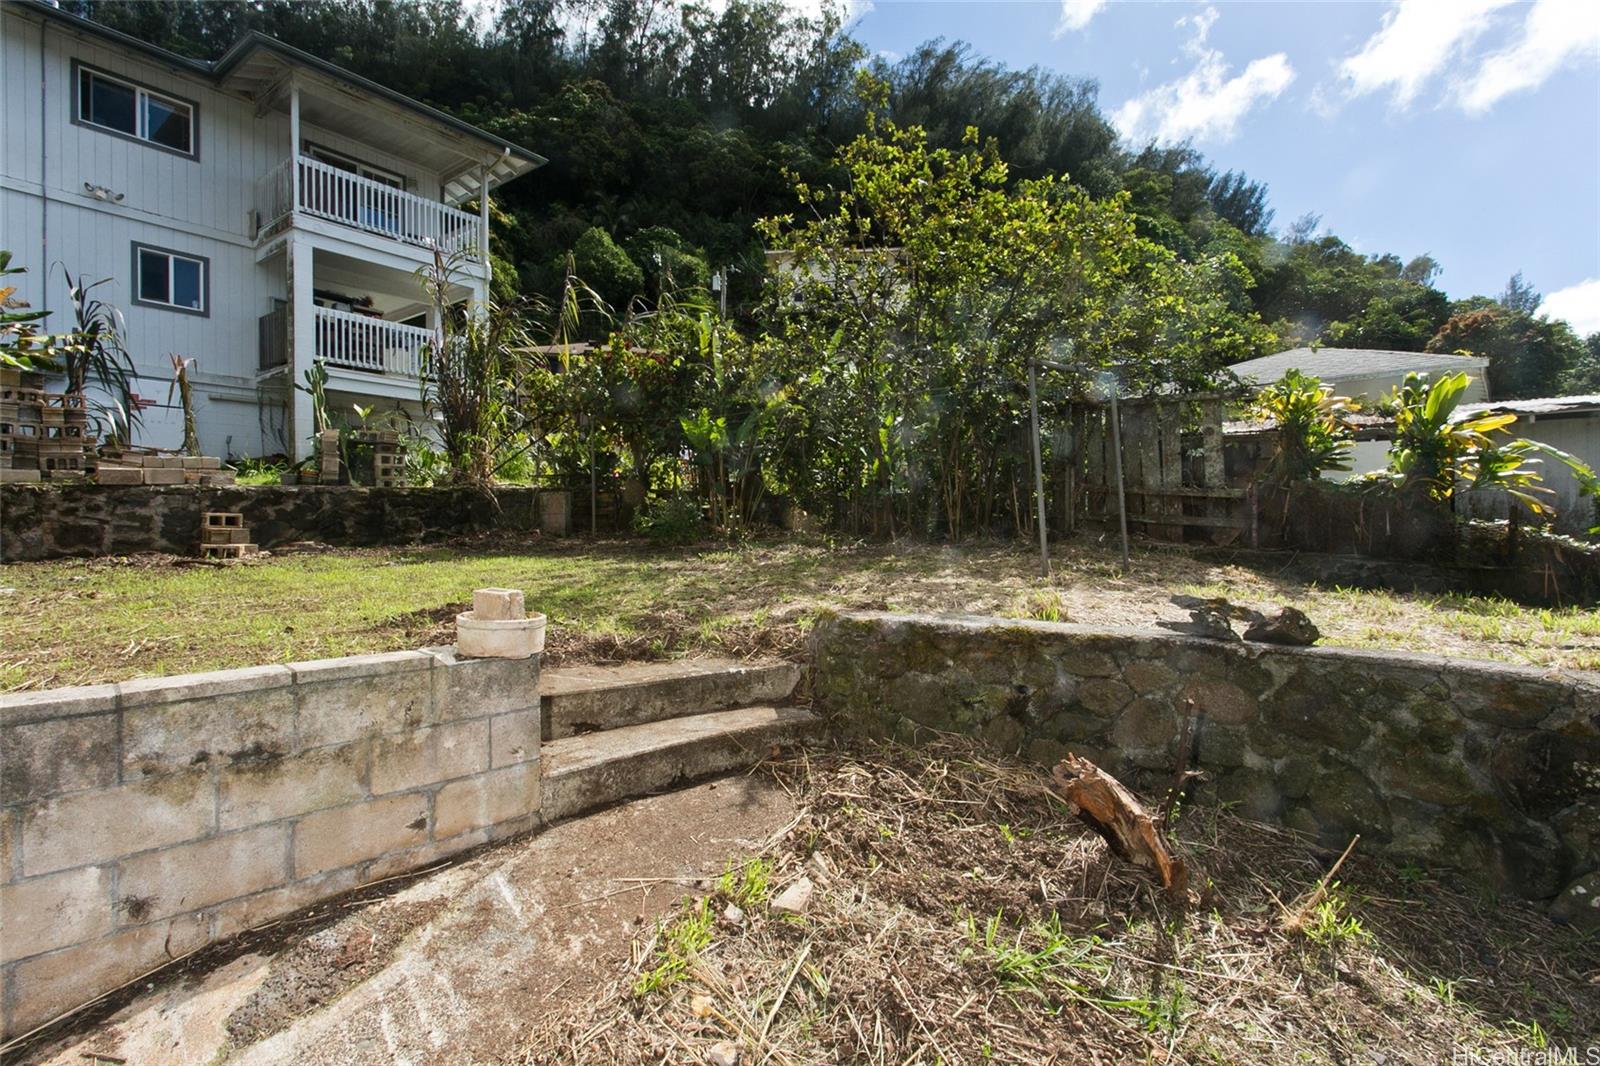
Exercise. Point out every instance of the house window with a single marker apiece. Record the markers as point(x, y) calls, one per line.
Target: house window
point(164, 278)
point(128, 109)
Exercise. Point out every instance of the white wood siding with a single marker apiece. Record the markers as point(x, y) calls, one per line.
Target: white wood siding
point(202, 206)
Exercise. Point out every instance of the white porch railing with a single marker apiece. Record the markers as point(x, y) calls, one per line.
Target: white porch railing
point(326, 192)
point(357, 342)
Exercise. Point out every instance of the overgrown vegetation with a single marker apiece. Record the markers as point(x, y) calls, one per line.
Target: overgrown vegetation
point(1314, 430)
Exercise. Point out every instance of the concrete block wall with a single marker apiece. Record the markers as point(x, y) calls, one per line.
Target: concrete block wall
point(143, 820)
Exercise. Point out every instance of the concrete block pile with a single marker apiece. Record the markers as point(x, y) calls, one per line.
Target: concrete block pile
point(149, 467)
point(223, 535)
point(42, 433)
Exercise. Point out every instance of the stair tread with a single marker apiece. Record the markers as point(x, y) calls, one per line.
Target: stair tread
point(569, 680)
point(577, 753)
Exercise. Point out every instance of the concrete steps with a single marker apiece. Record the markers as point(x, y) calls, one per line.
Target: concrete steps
point(585, 699)
point(613, 733)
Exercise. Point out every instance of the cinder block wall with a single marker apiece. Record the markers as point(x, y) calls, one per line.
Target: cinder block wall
point(143, 820)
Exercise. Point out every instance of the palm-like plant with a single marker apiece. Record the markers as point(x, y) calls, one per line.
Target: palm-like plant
point(23, 345)
point(1314, 428)
point(1436, 452)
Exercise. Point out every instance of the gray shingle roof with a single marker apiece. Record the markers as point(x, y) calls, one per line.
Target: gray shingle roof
point(1332, 364)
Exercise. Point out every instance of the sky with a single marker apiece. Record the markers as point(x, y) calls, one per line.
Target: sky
point(1466, 129)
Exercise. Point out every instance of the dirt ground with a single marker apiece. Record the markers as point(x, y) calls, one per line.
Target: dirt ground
point(960, 914)
point(455, 967)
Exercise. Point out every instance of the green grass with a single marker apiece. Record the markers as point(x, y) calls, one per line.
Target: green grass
point(81, 622)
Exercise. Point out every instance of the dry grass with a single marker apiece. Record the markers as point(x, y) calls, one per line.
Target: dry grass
point(961, 915)
point(86, 621)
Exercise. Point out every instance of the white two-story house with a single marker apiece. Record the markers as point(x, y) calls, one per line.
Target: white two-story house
point(254, 214)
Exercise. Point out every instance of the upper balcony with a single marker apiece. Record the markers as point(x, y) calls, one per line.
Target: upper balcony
point(363, 204)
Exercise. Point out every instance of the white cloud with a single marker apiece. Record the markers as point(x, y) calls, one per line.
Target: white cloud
point(1076, 14)
point(1579, 304)
point(1205, 104)
point(1417, 39)
point(1555, 32)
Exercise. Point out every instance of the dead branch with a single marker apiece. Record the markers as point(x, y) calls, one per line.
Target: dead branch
point(1108, 808)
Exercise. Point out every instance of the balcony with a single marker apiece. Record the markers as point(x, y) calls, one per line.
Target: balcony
point(359, 203)
point(348, 341)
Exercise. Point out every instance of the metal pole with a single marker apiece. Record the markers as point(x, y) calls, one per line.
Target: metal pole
point(1038, 470)
point(1122, 497)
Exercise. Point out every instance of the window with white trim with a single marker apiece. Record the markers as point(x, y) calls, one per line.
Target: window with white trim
point(164, 278)
point(131, 110)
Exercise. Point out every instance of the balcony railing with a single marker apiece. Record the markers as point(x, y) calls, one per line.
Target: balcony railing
point(376, 345)
point(335, 195)
point(351, 341)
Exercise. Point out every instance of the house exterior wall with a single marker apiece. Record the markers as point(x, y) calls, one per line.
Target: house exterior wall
point(1375, 385)
point(203, 206)
point(1578, 436)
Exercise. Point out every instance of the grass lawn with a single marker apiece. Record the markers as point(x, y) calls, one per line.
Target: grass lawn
point(85, 621)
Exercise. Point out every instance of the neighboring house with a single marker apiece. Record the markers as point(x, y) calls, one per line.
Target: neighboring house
point(1369, 372)
point(255, 213)
point(1570, 423)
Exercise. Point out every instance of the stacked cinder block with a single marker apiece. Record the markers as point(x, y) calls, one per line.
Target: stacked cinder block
point(223, 535)
point(126, 467)
point(328, 449)
point(388, 465)
point(41, 432)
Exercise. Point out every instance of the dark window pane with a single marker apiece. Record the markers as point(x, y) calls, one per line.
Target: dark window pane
point(110, 105)
point(153, 277)
point(186, 283)
point(167, 123)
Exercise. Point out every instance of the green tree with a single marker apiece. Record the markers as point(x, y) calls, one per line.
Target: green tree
point(1527, 356)
point(602, 262)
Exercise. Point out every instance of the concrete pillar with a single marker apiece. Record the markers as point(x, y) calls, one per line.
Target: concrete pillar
point(298, 258)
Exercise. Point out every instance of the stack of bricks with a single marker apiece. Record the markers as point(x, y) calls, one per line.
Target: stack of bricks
point(152, 468)
point(328, 450)
point(223, 535)
point(41, 432)
point(388, 465)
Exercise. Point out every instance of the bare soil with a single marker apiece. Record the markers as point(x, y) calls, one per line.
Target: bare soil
point(961, 914)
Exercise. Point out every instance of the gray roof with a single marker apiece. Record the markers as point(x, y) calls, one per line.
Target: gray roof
point(1334, 364)
point(1546, 406)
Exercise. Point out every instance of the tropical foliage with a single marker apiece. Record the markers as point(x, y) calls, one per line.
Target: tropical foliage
point(1437, 452)
point(1314, 430)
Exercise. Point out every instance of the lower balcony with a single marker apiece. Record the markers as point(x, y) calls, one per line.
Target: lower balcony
point(348, 340)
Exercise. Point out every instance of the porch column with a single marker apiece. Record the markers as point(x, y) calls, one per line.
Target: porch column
point(294, 147)
point(302, 343)
point(483, 227)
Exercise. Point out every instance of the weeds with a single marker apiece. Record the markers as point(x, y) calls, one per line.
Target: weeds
point(681, 942)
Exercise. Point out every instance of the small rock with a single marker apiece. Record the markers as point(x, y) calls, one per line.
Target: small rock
point(1212, 623)
point(1579, 904)
point(796, 898)
point(723, 1054)
point(733, 915)
point(1289, 625)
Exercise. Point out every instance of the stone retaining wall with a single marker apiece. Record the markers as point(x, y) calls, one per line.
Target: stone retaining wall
point(57, 521)
point(1490, 769)
point(143, 820)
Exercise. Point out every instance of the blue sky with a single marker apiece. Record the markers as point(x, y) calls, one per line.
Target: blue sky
point(1468, 129)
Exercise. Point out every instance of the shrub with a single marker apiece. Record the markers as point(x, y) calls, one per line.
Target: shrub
point(673, 519)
